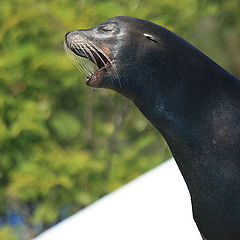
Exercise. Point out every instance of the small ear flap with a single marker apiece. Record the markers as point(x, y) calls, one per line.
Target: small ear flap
point(150, 37)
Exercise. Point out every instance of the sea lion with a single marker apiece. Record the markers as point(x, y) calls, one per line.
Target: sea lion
point(189, 98)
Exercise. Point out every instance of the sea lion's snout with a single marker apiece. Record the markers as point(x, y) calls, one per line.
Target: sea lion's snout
point(68, 38)
point(66, 35)
point(72, 38)
point(82, 48)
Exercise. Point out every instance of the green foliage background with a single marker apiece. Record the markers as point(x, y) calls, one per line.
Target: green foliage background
point(63, 145)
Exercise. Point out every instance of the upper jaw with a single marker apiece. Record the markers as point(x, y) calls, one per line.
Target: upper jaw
point(95, 55)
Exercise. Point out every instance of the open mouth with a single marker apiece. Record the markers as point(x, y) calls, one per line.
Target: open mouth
point(100, 62)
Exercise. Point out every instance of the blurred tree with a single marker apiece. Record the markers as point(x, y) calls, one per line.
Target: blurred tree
point(63, 145)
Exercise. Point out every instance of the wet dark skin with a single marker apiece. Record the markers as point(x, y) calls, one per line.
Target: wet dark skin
point(191, 100)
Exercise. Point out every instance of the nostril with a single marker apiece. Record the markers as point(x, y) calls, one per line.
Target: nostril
point(67, 33)
point(66, 36)
point(72, 35)
point(70, 38)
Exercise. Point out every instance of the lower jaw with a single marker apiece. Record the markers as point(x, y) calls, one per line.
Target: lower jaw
point(95, 80)
point(92, 82)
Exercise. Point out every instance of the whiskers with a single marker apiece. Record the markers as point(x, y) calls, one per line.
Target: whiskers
point(91, 58)
point(83, 64)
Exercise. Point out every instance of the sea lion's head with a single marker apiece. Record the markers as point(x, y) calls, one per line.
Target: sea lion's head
point(127, 52)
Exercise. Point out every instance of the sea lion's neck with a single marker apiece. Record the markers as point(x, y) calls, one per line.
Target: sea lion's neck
point(199, 118)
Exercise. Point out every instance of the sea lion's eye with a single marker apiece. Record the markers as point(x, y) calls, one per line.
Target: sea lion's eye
point(150, 37)
point(107, 28)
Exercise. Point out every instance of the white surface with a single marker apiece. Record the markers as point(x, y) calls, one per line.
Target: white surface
point(152, 207)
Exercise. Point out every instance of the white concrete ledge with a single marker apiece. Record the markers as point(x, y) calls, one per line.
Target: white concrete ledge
point(155, 206)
